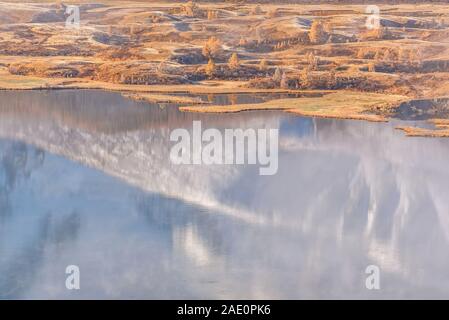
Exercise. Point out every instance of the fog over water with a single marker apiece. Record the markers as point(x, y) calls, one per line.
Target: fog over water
point(86, 179)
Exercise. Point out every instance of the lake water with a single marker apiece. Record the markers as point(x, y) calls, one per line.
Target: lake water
point(86, 180)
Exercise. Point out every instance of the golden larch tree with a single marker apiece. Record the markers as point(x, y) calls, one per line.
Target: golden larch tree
point(304, 78)
point(210, 68)
point(234, 62)
point(263, 65)
point(317, 34)
point(212, 47)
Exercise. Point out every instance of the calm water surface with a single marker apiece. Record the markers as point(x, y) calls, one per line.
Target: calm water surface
point(85, 179)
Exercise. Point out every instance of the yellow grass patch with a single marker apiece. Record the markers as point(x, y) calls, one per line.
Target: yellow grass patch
point(342, 105)
point(163, 98)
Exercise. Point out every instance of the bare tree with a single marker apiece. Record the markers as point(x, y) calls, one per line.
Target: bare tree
point(332, 79)
point(284, 81)
point(277, 75)
point(312, 61)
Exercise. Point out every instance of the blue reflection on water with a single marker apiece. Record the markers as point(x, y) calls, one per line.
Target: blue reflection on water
point(85, 180)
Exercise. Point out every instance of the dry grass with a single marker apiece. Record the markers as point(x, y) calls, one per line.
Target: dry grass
point(13, 82)
point(342, 105)
point(163, 98)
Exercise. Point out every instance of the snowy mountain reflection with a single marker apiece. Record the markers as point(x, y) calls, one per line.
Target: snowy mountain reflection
point(85, 179)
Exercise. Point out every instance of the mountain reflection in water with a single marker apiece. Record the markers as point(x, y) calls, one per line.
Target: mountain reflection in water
point(85, 179)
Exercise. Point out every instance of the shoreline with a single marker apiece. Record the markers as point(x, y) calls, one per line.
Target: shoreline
point(327, 106)
point(338, 105)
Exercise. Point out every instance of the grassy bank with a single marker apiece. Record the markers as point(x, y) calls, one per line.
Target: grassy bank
point(342, 105)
